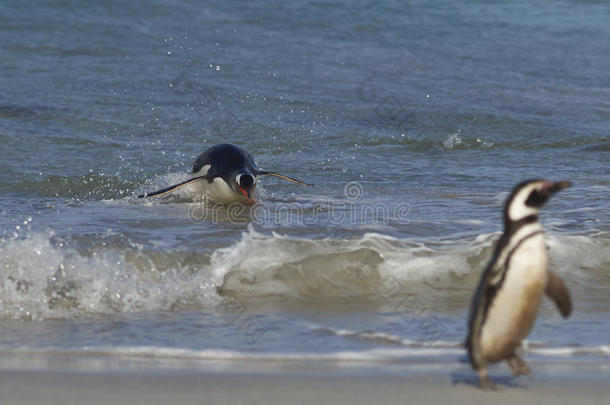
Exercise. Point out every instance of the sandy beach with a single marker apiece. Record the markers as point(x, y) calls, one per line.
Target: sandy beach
point(556, 384)
point(37, 387)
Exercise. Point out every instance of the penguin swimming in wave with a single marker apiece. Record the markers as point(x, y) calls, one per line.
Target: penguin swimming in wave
point(224, 173)
point(506, 302)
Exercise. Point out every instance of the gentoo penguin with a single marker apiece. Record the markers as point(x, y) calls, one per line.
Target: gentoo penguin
point(505, 304)
point(224, 173)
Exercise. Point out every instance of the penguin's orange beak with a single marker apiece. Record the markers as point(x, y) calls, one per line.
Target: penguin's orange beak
point(246, 194)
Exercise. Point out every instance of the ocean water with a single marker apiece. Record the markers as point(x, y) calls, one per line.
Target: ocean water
point(413, 119)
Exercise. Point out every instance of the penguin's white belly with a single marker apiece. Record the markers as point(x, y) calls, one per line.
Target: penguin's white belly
point(219, 191)
point(515, 306)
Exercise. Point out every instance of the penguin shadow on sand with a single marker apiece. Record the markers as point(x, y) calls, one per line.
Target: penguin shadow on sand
point(502, 381)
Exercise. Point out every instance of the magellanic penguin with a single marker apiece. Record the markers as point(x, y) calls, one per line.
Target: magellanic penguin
point(506, 302)
point(224, 173)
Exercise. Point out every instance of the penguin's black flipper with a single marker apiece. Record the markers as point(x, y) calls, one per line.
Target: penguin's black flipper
point(281, 176)
point(560, 295)
point(174, 187)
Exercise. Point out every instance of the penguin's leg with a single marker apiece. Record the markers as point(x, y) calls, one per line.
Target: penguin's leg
point(518, 366)
point(484, 379)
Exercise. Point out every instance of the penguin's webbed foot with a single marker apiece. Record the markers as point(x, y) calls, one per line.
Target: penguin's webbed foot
point(485, 381)
point(518, 366)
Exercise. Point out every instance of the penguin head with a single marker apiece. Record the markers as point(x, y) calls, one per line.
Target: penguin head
point(528, 196)
point(244, 184)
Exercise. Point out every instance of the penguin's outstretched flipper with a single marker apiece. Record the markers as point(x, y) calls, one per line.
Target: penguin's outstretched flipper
point(169, 189)
point(281, 176)
point(560, 295)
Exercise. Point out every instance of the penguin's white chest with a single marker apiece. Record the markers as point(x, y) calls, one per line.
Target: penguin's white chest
point(217, 190)
point(515, 306)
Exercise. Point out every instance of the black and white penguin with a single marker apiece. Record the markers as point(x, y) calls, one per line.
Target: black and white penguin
point(224, 173)
point(506, 302)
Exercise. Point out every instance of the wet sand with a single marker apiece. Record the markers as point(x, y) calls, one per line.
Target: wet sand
point(163, 387)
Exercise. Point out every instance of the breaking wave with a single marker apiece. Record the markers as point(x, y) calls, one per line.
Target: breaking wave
point(44, 277)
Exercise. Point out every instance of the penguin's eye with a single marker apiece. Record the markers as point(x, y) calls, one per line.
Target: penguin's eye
point(537, 198)
point(245, 180)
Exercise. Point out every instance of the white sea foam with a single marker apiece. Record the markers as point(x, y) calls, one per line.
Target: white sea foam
point(341, 268)
point(41, 280)
point(572, 252)
point(384, 337)
point(377, 355)
point(370, 355)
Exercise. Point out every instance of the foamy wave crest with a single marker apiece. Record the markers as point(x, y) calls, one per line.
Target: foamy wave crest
point(588, 254)
point(41, 279)
point(261, 265)
point(382, 266)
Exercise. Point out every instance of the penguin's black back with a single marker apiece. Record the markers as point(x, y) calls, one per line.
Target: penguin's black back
point(225, 159)
point(481, 300)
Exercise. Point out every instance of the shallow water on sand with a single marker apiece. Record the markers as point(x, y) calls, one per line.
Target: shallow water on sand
point(413, 121)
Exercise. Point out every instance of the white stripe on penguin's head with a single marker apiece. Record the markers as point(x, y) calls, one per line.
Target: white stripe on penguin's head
point(529, 196)
point(518, 207)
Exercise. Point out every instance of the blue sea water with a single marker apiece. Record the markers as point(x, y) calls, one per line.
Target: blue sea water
point(413, 119)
